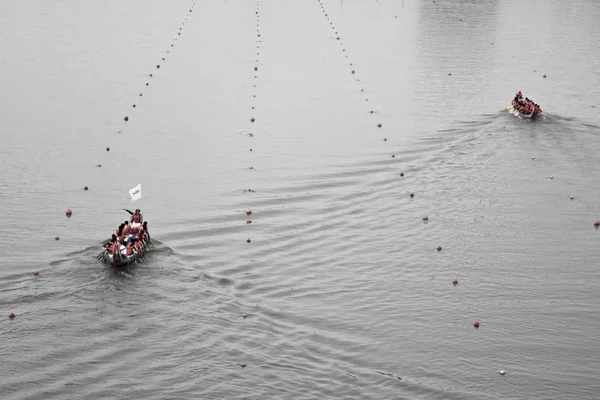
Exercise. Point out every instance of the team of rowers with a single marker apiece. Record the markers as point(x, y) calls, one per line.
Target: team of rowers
point(525, 105)
point(129, 240)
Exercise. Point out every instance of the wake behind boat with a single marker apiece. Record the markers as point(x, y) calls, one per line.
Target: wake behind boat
point(129, 243)
point(524, 107)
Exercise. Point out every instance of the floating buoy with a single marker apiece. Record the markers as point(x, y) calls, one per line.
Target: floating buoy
point(179, 33)
point(476, 324)
point(250, 149)
point(353, 71)
point(385, 139)
point(134, 106)
point(36, 273)
point(85, 188)
point(57, 238)
point(256, 68)
point(244, 315)
point(455, 282)
point(140, 95)
point(439, 248)
point(147, 84)
point(412, 195)
point(108, 149)
point(551, 177)
point(544, 76)
point(252, 119)
point(401, 173)
point(502, 372)
point(248, 241)
point(393, 156)
point(150, 75)
point(596, 223)
point(248, 211)
point(571, 197)
point(11, 315)
point(337, 38)
point(157, 66)
point(249, 221)
point(68, 212)
point(426, 218)
point(379, 125)
point(243, 365)
point(126, 119)
point(449, 73)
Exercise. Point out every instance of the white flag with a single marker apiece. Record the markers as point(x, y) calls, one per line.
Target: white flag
point(136, 192)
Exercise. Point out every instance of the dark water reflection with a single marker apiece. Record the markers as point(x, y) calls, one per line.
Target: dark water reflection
point(344, 292)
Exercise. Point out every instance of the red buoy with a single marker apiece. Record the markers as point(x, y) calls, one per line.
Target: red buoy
point(385, 139)
point(455, 282)
point(85, 188)
point(57, 238)
point(449, 73)
point(379, 125)
point(476, 324)
point(353, 71)
point(68, 212)
point(544, 76)
point(439, 248)
point(596, 223)
point(412, 195)
point(252, 119)
point(256, 68)
point(126, 118)
point(249, 222)
point(248, 211)
point(371, 111)
point(108, 149)
point(134, 106)
point(147, 84)
point(401, 173)
point(11, 315)
point(36, 273)
point(393, 156)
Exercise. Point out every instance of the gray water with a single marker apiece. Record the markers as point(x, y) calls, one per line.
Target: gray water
point(345, 293)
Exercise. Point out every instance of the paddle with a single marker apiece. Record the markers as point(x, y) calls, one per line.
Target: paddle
point(130, 213)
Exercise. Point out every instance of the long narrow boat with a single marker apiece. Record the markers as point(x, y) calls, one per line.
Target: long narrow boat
point(117, 257)
point(524, 108)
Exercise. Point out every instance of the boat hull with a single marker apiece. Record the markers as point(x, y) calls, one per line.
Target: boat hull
point(515, 108)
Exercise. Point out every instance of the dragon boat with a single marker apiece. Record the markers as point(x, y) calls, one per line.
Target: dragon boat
point(525, 107)
point(128, 244)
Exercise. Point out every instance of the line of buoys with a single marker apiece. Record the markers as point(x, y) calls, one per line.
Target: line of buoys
point(69, 212)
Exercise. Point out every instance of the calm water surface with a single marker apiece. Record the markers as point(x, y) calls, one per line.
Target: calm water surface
point(345, 293)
